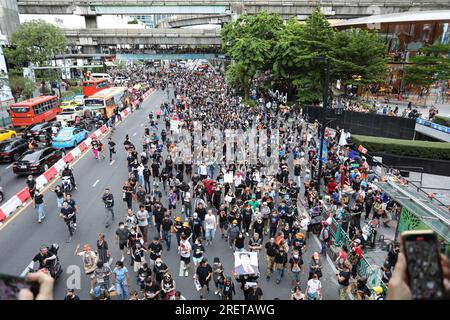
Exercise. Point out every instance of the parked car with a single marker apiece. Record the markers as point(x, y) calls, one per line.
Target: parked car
point(69, 137)
point(38, 131)
point(37, 160)
point(7, 134)
point(70, 113)
point(12, 149)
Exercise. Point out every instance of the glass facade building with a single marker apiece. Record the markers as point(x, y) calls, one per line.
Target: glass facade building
point(404, 34)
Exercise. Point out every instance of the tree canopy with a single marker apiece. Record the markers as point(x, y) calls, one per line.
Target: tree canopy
point(37, 42)
point(287, 50)
point(430, 65)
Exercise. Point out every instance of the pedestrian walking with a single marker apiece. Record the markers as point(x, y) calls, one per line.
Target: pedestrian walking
point(108, 200)
point(39, 204)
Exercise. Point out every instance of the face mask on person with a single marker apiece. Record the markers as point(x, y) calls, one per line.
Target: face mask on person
point(296, 256)
point(158, 264)
point(122, 227)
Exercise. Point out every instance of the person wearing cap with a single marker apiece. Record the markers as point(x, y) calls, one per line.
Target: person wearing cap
point(178, 226)
point(89, 261)
point(299, 243)
point(378, 293)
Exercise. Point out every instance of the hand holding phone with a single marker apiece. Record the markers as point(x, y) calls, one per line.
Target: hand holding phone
point(420, 270)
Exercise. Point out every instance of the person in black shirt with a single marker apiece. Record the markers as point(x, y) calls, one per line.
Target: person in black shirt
point(239, 242)
point(155, 249)
point(31, 184)
point(159, 270)
point(155, 171)
point(258, 227)
point(45, 258)
point(343, 279)
point(108, 200)
point(147, 175)
point(228, 289)
point(152, 289)
point(203, 275)
point(197, 227)
point(254, 293)
point(166, 230)
point(178, 226)
point(112, 148)
point(271, 248)
point(39, 203)
point(71, 295)
point(158, 216)
point(68, 214)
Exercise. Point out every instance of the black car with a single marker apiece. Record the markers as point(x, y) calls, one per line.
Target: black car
point(12, 149)
point(38, 131)
point(37, 160)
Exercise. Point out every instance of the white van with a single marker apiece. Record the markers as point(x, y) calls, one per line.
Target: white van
point(101, 75)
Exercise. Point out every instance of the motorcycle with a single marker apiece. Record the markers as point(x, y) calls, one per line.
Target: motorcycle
point(66, 184)
point(54, 268)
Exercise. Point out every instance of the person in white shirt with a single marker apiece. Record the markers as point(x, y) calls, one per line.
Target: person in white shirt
point(314, 288)
point(142, 217)
point(304, 226)
point(203, 171)
point(210, 227)
point(185, 250)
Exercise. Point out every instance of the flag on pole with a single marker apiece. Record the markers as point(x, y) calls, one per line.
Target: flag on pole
point(362, 149)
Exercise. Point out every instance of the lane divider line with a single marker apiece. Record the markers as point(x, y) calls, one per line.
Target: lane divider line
point(95, 183)
point(20, 199)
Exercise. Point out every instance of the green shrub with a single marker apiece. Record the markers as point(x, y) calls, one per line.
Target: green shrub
point(409, 148)
point(445, 121)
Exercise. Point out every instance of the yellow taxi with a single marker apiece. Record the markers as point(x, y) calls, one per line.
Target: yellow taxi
point(7, 134)
point(69, 104)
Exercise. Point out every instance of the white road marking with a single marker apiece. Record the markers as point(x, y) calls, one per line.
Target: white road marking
point(95, 183)
point(142, 124)
point(112, 162)
point(134, 134)
point(9, 166)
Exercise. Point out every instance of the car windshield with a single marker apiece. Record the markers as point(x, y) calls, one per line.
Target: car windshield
point(37, 127)
point(65, 133)
point(5, 146)
point(68, 111)
point(31, 156)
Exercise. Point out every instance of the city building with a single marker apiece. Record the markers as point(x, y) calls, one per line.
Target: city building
point(404, 34)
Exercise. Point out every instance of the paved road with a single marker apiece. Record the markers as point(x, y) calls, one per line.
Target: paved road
point(20, 239)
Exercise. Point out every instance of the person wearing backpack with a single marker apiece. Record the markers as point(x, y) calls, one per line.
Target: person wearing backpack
point(324, 238)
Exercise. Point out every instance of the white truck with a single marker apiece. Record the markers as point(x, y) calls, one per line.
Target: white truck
point(69, 114)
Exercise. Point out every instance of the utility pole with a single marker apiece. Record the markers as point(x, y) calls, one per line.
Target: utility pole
point(324, 116)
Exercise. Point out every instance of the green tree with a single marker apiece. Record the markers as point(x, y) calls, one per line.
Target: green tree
point(37, 42)
point(432, 64)
point(249, 42)
point(358, 57)
point(297, 47)
point(20, 86)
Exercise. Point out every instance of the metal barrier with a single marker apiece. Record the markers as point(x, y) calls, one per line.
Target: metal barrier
point(363, 268)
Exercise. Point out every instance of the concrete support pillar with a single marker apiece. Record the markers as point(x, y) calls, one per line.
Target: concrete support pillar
point(9, 17)
point(91, 22)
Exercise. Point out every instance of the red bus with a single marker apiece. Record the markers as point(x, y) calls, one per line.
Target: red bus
point(93, 86)
point(35, 110)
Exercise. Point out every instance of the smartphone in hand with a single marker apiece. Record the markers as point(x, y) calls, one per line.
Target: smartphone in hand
point(424, 271)
point(10, 286)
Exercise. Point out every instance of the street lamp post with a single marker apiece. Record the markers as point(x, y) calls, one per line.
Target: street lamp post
point(323, 118)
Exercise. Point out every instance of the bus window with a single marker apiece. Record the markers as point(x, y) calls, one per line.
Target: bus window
point(110, 102)
point(88, 84)
point(21, 109)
